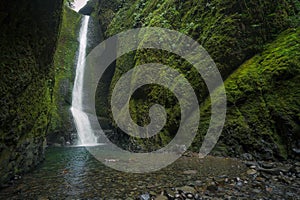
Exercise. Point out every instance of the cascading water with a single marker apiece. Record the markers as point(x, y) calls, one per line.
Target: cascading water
point(83, 126)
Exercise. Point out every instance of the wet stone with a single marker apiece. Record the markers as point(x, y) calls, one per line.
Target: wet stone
point(251, 171)
point(190, 172)
point(212, 187)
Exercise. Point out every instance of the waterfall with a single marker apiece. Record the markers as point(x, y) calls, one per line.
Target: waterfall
point(83, 126)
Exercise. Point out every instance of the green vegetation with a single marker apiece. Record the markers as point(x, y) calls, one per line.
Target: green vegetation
point(64, 64)
point(232, 32)
point(263, 103)
point(28, 39)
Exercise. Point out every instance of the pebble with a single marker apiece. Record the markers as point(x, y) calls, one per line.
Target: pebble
point(187, 189)
point(251, 171)
point(256, 190)
point(189, 195)
point(240, 184)
point(190, 172)
point(145, 196)
point(268, 165)
point(161, 197)
point(212, 187)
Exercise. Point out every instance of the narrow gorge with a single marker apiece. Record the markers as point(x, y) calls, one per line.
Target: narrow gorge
point(48, 136)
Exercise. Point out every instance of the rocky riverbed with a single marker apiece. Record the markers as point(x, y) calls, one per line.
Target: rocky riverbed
point(72, 173)
point(262, 180)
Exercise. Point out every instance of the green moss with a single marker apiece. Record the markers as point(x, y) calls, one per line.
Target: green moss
point(263, 102)
point(64, 58)
point(231, 31)
point(27, 44)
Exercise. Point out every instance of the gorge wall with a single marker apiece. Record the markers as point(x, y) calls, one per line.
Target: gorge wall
point(255, 45)
point(29, 31)
point(246, 39)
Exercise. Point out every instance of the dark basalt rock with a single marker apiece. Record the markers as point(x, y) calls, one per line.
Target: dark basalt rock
point(86, 10)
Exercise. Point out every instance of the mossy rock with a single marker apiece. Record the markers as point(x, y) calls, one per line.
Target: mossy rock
point(231, 31)
point(263, 103)
point(27, 44)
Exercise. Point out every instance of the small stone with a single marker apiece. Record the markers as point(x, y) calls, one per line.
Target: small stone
point(297, 170)
point(145, 196)
point(212, 187)
point(190, 172)
point(187, 189)
point(268, 165)
point(252, 167)
point(250, 163)
point(274, 178)
point(251, 171)
point(240, 184)
point(297, 151)
point(256, 191)
point(269, 189)
point(190, 195)
point(247, 156)
point(161, 197)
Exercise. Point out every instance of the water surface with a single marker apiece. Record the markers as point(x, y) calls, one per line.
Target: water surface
point(73, 173)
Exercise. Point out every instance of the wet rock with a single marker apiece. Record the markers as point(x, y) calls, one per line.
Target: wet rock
point(190, 172)
point(247, 156)
point(187, 189)
point(86, 10)
point(212, 187)
point(145, 196)
point(251, 171)
point(189, 196)
point(256, 191)
point(177, 196)
point(161, 197)
point(297, 151)
point(249, 164)
point(197, 196)
point(239, 184)
point(274, 171)
point(275, 178)
point(268, 165)
point(295, 169)
point(195, 183)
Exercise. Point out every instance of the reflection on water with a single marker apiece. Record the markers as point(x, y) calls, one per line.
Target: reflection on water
point(72, 172)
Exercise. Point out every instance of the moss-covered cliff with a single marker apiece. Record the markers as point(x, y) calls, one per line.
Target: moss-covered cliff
point(263, 98)
point(29, 31)
point(61, 126)
point(232, 32)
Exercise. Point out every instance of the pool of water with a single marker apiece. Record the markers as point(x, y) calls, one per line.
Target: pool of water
point(73, 173)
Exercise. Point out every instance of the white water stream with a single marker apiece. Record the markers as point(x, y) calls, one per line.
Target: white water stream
point(83, 126)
